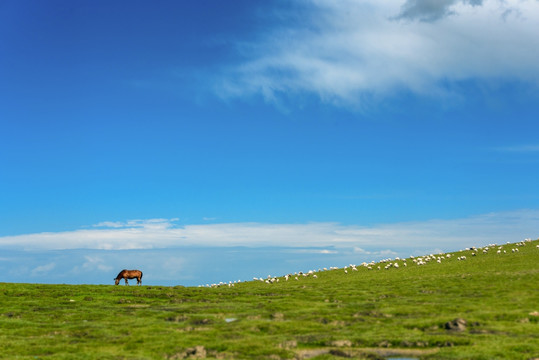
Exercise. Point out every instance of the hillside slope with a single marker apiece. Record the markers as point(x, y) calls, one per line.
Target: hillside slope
point(450, 306)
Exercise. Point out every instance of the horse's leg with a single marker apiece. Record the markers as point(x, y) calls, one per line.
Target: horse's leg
point(126, 283)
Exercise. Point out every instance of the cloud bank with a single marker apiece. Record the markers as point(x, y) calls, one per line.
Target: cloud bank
point(164, 233)
point(347, 51)
point(193, 255)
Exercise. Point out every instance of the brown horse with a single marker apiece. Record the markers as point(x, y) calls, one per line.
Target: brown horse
point(129, 274)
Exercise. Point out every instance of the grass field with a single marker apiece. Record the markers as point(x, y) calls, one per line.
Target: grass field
point(370, 314)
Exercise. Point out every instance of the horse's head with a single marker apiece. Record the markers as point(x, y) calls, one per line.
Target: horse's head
point(116, 281)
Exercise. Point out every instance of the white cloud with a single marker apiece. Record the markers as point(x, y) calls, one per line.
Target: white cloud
point(95, 263)
point(431, 10)
point(372, 254)
point(315, 251)
point(151, 223)
point(347, 51)
point(162, 233)
point(519, 149)
point(43, 269)
point(327, 251)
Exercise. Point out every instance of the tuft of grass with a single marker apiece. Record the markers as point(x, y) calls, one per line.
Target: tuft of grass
point(370, 314)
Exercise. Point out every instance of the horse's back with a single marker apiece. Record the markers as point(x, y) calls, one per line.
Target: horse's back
point(121, 274)
point(130, 274)
point(135, 273)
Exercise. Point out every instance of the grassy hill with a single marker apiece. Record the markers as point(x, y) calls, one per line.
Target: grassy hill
point(405, 311)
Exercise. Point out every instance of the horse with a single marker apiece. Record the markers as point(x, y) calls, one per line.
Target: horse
point(129, 274)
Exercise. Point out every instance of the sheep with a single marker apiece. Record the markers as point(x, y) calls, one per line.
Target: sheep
point(388, 263)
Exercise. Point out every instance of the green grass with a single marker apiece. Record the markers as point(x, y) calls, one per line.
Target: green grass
point(363, 314)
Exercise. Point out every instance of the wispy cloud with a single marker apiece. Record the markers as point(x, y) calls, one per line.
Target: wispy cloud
point(43, 269)
point(431, 10)
point(347, 51)
point(315, 251)
point(519, 149)
point(387, 252)
point(151, 223)
point(95, 263)
point(163, 233)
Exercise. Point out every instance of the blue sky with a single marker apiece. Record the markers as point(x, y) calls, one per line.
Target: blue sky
point(212, 141)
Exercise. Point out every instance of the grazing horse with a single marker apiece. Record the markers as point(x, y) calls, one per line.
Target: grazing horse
point(129, 274)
